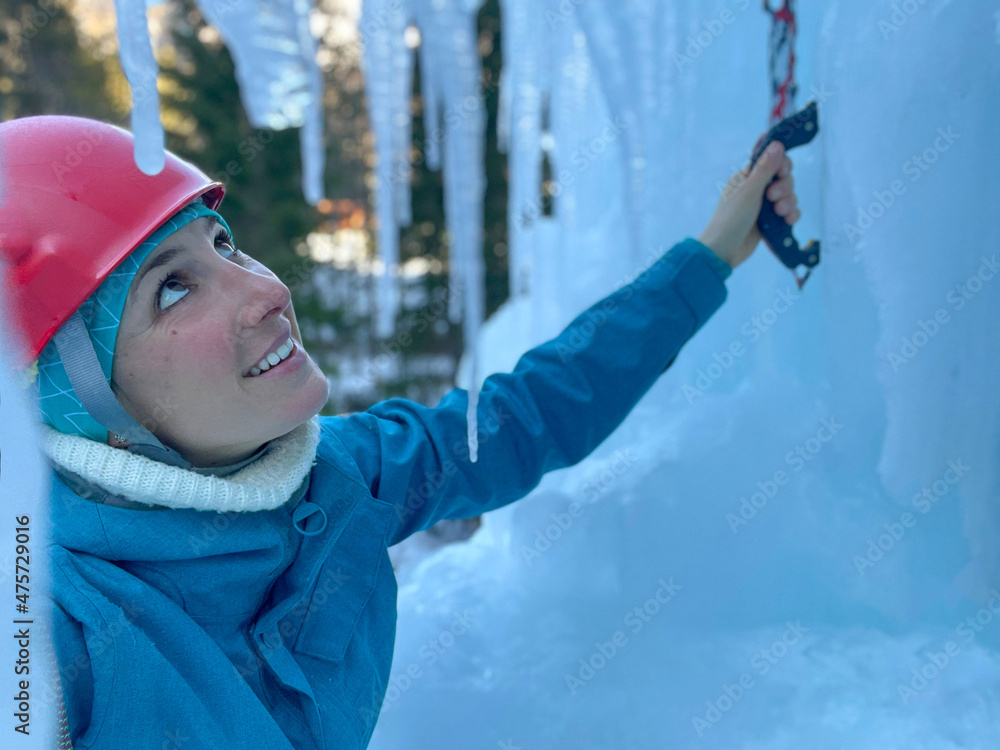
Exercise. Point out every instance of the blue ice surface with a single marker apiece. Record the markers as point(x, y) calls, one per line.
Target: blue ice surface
point(856, 605)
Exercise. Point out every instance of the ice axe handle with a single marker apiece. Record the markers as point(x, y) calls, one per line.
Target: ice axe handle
point(794, 130)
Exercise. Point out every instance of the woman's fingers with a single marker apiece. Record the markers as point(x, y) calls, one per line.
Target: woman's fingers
point(782, 192)
point(789, 210)
point(786, 206)
point(785, 184)
point(781, 188)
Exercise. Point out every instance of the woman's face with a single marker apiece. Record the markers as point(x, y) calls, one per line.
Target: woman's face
point(198, 316)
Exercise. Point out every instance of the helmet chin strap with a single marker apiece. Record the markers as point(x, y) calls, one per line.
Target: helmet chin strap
point(76, 350)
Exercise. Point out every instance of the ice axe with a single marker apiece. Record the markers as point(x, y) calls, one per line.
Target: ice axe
point(794, 130)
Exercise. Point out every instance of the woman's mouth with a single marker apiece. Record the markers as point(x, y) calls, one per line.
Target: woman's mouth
point(281, 359)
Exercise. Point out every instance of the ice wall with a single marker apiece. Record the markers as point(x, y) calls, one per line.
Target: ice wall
point(857, 606)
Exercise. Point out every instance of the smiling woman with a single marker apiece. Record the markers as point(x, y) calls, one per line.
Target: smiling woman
point(201, 322)
point(165, 357)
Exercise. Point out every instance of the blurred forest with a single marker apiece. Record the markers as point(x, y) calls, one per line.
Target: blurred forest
point(60, 57)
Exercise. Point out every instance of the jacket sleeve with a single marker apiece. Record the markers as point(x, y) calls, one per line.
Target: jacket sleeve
point(561, 401)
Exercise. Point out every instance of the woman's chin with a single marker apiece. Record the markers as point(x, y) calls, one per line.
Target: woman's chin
point(308, 400)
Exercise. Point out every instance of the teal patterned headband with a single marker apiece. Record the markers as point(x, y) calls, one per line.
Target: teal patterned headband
point(59, 405)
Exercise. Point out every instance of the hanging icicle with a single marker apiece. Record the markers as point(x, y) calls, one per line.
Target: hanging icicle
point(455, 123)
point(274, 55)
point(139, 65)
point(519, 129)
point(383, 27)
point(452, 38)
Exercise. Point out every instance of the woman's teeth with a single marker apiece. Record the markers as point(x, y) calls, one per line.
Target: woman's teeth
point(273, 358)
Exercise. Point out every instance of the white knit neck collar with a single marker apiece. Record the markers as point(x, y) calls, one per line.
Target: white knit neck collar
point(264, 484)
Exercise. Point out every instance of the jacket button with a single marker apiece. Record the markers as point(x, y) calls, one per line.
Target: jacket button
point(309, 519)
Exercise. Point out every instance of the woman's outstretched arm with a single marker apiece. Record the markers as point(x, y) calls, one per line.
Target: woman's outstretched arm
point(563, 397)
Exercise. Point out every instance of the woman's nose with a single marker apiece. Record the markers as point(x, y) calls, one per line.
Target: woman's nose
point(263, 295)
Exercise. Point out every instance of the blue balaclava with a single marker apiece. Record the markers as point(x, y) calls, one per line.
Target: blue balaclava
point(59, 405)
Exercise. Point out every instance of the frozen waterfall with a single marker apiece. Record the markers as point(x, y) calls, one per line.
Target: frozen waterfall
point(853, 605)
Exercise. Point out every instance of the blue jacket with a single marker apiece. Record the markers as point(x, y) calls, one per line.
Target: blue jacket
point(191, 629)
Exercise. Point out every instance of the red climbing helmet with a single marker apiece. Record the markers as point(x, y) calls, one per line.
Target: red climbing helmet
point(73, 205)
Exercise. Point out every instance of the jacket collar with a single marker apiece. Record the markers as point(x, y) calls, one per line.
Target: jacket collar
point(265, 482)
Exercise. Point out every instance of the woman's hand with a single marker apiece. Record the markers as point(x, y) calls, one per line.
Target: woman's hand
point(732, 233)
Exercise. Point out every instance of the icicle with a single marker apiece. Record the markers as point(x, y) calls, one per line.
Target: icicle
point(434, 19)
point(275, 58)
point(520, 128)
point(312, 152)
point(465, 185)
point(566, 118)
point(450, 71)
point(382, 30)
point(475, 283)
point(402, 128)
point(311, 132)
point(432, 102)
point(140, 68)
point(470, 416)
point(503, 113)
point(611, 42)
point(274, 55)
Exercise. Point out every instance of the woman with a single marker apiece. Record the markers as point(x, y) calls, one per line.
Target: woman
point(219, 567)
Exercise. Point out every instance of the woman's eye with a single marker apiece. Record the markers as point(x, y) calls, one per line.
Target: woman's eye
point(168, 296)
point(166, 293)
point(233, 253)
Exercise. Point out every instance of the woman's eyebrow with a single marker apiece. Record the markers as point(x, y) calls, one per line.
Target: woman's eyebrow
point(165, 257)
point(160, 260)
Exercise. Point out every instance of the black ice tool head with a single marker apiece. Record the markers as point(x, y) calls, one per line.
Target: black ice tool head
point(793, 131)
